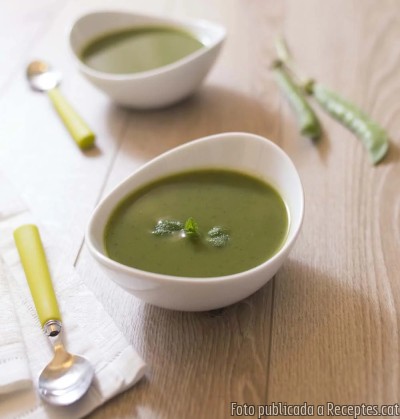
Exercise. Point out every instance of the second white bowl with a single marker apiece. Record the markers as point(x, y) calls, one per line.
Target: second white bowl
point(154, 88)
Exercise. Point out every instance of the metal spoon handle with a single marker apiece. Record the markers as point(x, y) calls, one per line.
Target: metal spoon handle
point(33, 258)
point(77, 127)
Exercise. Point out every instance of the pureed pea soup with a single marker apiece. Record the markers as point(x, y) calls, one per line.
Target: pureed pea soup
point(139, 49)
point(199, 224)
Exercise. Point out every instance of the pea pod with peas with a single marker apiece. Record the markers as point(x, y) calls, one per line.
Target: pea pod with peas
point(373, 136)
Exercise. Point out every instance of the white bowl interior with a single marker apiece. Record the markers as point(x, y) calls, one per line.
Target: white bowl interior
point(244, 152)
point(92, 25)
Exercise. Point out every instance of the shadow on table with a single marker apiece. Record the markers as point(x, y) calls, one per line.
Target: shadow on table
point(332, 338)
point(204, 360)
point(211, 110)
point(322, 145)
point(393, 155)
point(200, 362)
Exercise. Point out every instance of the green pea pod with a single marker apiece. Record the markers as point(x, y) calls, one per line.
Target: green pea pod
point(373, 136)
point(307, 120)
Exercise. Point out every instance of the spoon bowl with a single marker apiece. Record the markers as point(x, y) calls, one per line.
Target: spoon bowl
point(42, 77)
point(66, 378)
point(154, 88)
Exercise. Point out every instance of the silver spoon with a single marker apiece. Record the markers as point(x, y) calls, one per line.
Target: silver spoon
point(67, 377)
point(43, 78)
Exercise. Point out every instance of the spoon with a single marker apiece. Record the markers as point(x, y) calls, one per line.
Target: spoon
point(43, 78)
point(67, 377)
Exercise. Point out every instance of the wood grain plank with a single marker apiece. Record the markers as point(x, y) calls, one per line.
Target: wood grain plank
point(336, 308)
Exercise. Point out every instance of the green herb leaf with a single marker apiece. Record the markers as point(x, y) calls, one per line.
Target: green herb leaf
point(191, 228)
point(166, 227)
point(218, 237)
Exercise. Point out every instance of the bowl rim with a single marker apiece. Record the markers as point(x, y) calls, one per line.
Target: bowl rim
point(173, 21)
point(157, 277)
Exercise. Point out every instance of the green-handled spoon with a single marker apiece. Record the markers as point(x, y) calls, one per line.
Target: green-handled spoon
point(67, 377)
point(45, 79)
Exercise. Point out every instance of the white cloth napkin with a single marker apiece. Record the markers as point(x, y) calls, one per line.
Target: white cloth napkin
point(87, 329)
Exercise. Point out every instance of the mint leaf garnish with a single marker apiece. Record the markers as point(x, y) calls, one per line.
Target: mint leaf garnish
point(218, 237)
point(166, 227)
point(191, 228)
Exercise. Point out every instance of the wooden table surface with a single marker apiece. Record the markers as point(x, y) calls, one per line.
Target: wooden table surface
point(326, 327)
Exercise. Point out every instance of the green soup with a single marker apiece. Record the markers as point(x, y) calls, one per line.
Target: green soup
point(251, 211)
point(139, 49)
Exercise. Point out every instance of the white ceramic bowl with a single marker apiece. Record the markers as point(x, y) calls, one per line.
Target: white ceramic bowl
point(244, 152)
point(154, 88)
